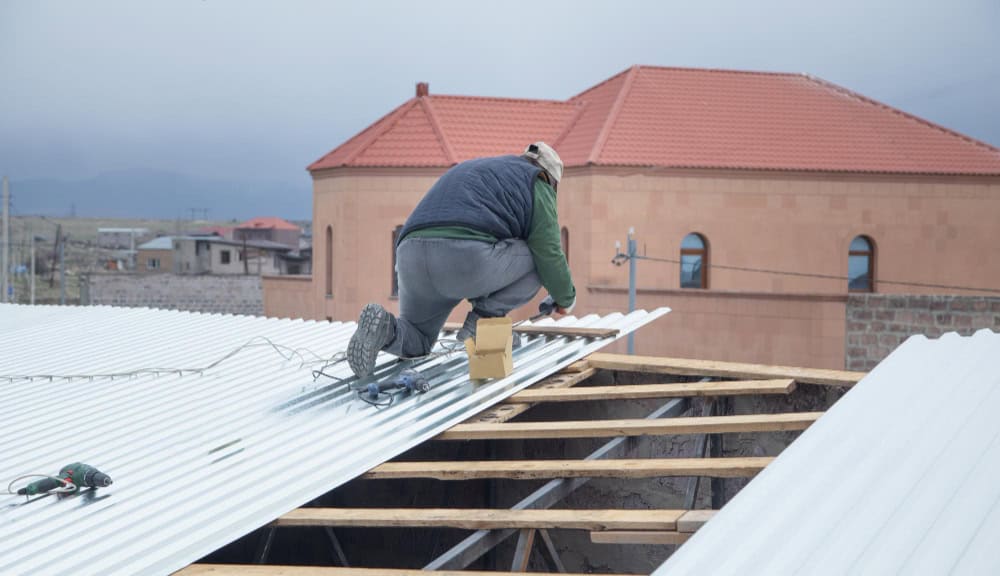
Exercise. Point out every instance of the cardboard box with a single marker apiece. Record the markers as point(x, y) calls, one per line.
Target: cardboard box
point(490, 354)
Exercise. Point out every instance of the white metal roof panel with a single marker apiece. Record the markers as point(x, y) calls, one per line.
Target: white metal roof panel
point(161, 243)
point(900, 476)
point(199, 459)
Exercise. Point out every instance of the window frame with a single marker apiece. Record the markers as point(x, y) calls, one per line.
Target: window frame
point(225, 257)
point(870, 254)
point(701, 252)
point(393, 273)
point(329, 261)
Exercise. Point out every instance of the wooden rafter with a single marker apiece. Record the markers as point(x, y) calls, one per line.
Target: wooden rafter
point(638, 537)
point(646, 391)
point(483, 518)
point(508, 411)
point(632, 427)
point(689, 367)
point(545, 469)
point(269, 570)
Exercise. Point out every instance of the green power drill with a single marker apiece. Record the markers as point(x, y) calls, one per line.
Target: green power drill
point(71, 478)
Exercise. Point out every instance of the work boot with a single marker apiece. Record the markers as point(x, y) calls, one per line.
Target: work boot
point(376, 329)
point(468, 329)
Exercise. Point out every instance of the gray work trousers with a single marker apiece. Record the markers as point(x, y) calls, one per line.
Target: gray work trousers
point(436, 274)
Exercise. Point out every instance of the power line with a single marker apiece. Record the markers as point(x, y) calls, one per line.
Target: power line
point(826, 276)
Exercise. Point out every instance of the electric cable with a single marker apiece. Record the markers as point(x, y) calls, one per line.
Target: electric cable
point(66, 488)
point(286, 352)
point(824, 276)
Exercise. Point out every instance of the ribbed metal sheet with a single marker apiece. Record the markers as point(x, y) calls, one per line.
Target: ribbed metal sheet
point(901, 476)
point(199, 460)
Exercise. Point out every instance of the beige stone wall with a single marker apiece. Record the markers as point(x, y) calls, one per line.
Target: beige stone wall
point(218, 294)
point(784, 329)
point(289, 297)
point(932, 230)
point(928, 230)
point(363, 208)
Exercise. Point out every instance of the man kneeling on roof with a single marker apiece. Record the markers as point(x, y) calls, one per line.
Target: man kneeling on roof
point(486, 232)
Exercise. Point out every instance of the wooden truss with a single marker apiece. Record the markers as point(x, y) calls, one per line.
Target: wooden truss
point(533, 516)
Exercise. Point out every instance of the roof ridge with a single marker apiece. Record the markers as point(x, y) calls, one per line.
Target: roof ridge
point(616, 108)
point(720, 70)
point(382, 128)
point(852, 94)
point(438, 130)
point(581, 106)
point(357, 137)
point(601, 83)
point(500, 98)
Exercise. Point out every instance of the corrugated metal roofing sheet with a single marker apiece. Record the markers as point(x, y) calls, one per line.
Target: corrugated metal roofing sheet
point(201, 458)
point(899, 477)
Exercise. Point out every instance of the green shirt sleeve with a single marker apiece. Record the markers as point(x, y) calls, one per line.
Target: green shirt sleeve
point(545, 243)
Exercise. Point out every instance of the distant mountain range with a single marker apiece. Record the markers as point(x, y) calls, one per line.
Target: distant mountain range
point(161, 195)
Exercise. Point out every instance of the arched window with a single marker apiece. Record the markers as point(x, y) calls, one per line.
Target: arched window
point(564, 237)
point(329, 261)
point(694, 262)
point(395, 275)
point(861, 265)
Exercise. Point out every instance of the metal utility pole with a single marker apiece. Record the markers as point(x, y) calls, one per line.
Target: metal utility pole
point(32, 268)
point(631, 284)
point(630, 255)
point(62, 273)
point(5, 276)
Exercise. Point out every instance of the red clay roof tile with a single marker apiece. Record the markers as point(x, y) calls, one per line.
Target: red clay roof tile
point(675, 117)
point(268, 222)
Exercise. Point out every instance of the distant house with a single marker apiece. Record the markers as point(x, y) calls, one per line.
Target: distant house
point(211, 254)
point(121, 238)
point(157, 255)
point(220, 231)
point(270, 229)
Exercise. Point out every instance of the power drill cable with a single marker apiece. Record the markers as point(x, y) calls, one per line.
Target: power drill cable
point(67, 487)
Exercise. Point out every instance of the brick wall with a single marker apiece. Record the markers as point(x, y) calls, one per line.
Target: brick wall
point(878, 323)
point(229, 294)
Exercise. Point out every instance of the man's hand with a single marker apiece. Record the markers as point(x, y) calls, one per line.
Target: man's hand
point(548, 306)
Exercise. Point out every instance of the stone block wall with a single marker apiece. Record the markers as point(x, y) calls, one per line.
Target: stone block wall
point(230, 294)
point(878, 323)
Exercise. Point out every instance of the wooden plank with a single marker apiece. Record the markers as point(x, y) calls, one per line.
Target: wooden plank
point(644, 391)
point(632, 427)
point(692, 520)
point(545, 469)
point(483, 518)
point(504, 412)
point(571, 331)
point(638, 537)
point(578, 366)
point(532, 329)
point(273, 570)
point(689, 367)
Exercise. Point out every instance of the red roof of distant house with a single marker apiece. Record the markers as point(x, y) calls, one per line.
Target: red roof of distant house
point(269, 222)
point(675, 118)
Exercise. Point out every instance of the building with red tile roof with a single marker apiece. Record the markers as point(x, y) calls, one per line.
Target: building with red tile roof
point(270, 229)
point(780, 192)
point(675, 118)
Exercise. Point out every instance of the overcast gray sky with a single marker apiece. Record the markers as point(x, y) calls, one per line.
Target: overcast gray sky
point(236, 89)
